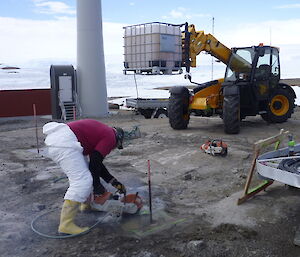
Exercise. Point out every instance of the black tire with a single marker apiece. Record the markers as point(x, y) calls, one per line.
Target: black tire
point(161, 113)
point(147, 113)
point(178, 111)
point(231, 114)
point(280, 107)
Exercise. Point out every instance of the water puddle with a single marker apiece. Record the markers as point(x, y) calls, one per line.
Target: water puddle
point(141, 225)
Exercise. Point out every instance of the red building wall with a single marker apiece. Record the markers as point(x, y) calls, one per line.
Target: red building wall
point(15, 103)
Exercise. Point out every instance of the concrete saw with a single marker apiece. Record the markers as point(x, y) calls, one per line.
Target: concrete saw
point(117, 205)
point(215, 147)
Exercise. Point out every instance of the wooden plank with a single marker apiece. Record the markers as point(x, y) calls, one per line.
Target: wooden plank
point(257, 147)
point(258, 189)
point(251, 171)
point(268, 141)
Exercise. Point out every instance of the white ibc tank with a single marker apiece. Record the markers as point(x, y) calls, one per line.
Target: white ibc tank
point(152, 48)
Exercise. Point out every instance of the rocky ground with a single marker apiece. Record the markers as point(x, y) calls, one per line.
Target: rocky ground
point(194, 194)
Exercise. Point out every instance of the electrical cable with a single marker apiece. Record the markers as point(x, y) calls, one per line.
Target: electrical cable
point(63, 236)
point(290, 165)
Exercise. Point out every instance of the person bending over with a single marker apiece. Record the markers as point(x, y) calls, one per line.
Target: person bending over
point(69, 145)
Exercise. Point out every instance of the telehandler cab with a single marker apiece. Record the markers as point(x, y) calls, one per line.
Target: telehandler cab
point(251, 85)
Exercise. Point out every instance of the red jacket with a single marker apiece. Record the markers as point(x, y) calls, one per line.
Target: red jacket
point(94, 135)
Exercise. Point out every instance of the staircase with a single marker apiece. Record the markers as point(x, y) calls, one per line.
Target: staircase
point(70, 110)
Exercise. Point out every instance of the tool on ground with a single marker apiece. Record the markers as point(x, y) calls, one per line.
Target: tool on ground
point(258, 146)
point(215, 147)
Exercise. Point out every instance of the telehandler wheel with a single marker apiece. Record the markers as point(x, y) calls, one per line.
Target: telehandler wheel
point(280, 107)
point(231, 114)
point(178, 111)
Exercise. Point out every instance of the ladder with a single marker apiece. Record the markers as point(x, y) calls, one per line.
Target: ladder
point(70, 110)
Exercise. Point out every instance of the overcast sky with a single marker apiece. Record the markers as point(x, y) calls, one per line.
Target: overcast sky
point(41, 29)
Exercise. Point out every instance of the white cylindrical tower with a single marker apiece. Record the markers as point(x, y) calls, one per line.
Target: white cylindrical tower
point(91, 79)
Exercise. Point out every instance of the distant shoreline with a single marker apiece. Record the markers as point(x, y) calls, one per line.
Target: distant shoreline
point(295, 82)
point(291, 82)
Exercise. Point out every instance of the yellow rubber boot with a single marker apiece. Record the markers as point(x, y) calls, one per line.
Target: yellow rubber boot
point(85, 207)
point(68, 213)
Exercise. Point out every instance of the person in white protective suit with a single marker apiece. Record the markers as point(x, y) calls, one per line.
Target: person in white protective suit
point(68, 145)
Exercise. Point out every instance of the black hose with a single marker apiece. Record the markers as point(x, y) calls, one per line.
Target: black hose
point(290, 165)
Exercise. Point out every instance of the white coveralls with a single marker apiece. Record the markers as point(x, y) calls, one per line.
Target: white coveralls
point(65, 150)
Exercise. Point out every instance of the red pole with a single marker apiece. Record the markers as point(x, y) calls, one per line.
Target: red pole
point(150, 194)
point(36, 130)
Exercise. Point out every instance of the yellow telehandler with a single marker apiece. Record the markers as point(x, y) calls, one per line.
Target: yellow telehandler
point(251, 85)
